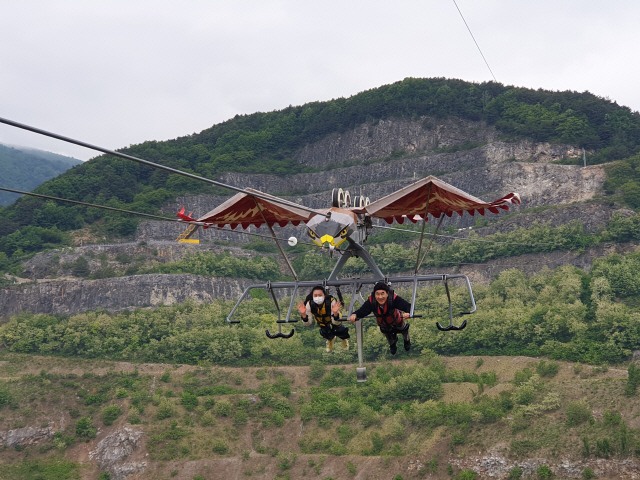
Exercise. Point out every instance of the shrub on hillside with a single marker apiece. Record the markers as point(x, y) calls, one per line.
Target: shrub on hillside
point(85, 429)
point(577, 413)
point(110, 414)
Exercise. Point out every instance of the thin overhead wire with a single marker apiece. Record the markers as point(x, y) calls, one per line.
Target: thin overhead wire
point(474, 40)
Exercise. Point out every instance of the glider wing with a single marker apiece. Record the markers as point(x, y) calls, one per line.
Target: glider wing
point(242, 209)
point(411, 202)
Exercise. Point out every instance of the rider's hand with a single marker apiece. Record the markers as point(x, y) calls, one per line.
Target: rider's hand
point(352, 318)
point(302, 309)
point(406, 315)
point(335, 308)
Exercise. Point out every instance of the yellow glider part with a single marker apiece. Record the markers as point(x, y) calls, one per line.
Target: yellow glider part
point(329, 239)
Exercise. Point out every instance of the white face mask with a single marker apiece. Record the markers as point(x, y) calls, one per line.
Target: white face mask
point(318, 300)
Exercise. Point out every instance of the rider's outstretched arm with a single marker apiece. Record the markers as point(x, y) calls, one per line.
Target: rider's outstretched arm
point(401, 304)
point(363, 311)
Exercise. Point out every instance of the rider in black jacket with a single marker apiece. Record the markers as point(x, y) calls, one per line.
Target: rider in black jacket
point(387, 308)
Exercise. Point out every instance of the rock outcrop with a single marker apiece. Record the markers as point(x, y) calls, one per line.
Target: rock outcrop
point(26, 436)
point(56, 263)
point(381, 139)
point(117, 294)
point(116, 447)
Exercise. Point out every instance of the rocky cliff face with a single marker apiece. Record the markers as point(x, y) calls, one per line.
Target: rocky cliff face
point(413, 168)
point(381, 139)
point(115, 294)
point(488, 171)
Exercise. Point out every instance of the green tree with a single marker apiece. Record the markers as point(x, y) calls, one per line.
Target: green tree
point(85, 429)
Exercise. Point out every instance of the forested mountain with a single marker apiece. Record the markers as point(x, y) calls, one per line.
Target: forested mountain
point(268, 142)
point(25, 169)
point(72, 162)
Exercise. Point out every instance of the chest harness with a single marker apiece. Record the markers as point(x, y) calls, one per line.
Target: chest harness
point(322, 313)
point(386, 315)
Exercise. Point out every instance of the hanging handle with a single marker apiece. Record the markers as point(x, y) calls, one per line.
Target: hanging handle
point(451, 326)
point(279, 334)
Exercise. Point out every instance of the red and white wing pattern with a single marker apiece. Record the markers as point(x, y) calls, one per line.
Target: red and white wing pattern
point(411, 201)
point(241, 209)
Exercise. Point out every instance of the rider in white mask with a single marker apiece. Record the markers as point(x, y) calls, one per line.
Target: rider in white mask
point(326, 311)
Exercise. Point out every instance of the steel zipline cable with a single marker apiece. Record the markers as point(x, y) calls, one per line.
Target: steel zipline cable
point(147, 215)
point(321, 252)
point(155, 165)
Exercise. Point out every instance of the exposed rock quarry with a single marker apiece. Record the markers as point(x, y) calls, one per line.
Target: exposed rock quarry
point(538, 185)
point(26, 436)
point(52, 263)
point(116, 447)
point(382, 138)
point(116, 294)
point(410, 168)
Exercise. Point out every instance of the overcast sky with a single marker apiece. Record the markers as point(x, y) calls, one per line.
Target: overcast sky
point(118, 73)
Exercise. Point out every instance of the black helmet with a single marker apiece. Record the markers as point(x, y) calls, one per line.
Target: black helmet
point(381, 286)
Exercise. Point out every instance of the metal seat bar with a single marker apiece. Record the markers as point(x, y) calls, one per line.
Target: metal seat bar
point(356, 284)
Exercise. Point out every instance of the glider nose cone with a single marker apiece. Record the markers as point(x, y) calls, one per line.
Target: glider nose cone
point(328, 239)
point(333, 231)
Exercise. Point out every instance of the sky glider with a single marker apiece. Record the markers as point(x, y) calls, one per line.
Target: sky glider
point(343, 229)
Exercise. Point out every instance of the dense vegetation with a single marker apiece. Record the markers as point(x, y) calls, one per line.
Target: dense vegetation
point(25, 170)
point(565, 314)
point(623, 178)
point(205, 413)
point(265, 142)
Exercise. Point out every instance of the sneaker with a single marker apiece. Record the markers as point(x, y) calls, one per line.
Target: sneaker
point(393, 348)
point(345, 344)
point(330, 345)
point(407, 345)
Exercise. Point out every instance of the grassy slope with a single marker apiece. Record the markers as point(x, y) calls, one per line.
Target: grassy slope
point(42, 399)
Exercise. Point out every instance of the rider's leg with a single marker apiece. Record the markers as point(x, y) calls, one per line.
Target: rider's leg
point(342, 333)
point(392, 339)
point(406, 337)
point(328, 333)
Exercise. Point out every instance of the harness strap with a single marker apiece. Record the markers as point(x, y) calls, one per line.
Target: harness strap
point(322, 320)
point(391, 316)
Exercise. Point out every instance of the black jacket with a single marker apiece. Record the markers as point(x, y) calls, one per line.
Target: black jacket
point(367, 307)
